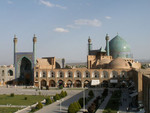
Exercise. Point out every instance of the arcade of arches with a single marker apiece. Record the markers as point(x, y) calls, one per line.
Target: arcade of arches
point(78, 77)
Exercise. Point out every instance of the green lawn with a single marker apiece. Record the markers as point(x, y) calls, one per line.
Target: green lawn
point(20, 99)
point(8, 109)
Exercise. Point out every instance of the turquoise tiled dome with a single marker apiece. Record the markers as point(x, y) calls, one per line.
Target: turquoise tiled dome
point(119, 48)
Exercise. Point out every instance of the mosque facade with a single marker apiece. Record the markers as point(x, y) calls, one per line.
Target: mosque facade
point(106, 67)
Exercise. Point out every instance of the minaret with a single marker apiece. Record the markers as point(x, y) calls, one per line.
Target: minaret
point(107, 44)
point(89, 46)
point(34, 49)
point(15, 48)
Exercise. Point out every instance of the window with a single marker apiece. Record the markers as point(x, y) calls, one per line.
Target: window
point(87, 74)
point(10, 73)
point(36, 74)
point(44, 74)
point(78, 74)
point(52, 74)
point(61, 74)
point(69, 74)
point(2, 72)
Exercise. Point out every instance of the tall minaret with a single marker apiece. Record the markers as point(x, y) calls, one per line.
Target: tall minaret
point(34, 49)
point(89, 46)
point(15, 48)
point(107, 44)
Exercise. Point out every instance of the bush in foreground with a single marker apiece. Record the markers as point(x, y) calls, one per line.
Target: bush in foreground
point(48, 101)
point(91, 94)
point(56, 97)
point(39, 105)
point(12, 94)
point(71, 108)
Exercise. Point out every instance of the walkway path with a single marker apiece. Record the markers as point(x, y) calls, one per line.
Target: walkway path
point(55, 107)
point(103, 105)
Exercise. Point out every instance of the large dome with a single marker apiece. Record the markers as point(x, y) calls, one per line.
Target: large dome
point(119, 63)
point(119, 48)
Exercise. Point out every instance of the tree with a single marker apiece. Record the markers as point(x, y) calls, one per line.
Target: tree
point(39, 105)
point(56, 97)
point(71, 108)
point(62, 94)
point(91, 94)
point(76, 106)
point(65, 93)
point(48, 101)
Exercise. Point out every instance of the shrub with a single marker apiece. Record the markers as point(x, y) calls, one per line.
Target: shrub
point(76, 106)
point(62, 94)
point(61, 87)
point(91, 109)
point(12, 94)
point(33, 109)
point(25, 98)
point(56, 97)
point(71, 108)
point(65, 93)
point(91, 94)
point(48, 101)
point(81, 101)
point(39, 105)
point(105, 93)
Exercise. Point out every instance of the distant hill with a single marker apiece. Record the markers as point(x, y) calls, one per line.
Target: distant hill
point(77, 64)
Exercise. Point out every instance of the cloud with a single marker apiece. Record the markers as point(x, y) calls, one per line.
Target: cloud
point(49, 4)
point(95, 22)
point(62, 30)
point(108, 17)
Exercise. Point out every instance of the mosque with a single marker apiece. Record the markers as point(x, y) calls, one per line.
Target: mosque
point(111, 66)
point(104, 67)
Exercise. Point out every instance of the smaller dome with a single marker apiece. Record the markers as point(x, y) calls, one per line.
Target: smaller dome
point(119, 63)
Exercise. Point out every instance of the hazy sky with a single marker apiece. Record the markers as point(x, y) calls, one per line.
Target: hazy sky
point(62, 27)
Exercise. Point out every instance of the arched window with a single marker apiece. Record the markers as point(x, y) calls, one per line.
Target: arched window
point(2, 72)
point(44, 74)
point(87, 74)
point(10, 72)
point(69, 74)
point(105, 74)
point(52, 74)
point(36, 74)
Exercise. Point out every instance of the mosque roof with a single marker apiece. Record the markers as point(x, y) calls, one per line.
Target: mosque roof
point(118, 46)
point(119, 63)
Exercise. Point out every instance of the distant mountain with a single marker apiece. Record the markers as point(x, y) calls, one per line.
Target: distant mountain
point(77, 64)
point(147, 61)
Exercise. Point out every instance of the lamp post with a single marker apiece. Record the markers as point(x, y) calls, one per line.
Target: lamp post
point(60, 101)
point(83, 99)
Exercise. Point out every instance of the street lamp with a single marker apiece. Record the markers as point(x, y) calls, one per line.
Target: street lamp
point(60, 101)
point(83, 99)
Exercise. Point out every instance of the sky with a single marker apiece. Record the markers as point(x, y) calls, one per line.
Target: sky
point(62, 27)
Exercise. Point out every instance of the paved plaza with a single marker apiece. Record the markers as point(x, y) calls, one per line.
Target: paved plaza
point(73, 95)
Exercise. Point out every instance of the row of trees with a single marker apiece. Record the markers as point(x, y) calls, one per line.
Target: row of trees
point(97, 102)
point(76, 106)
point(50, 100)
